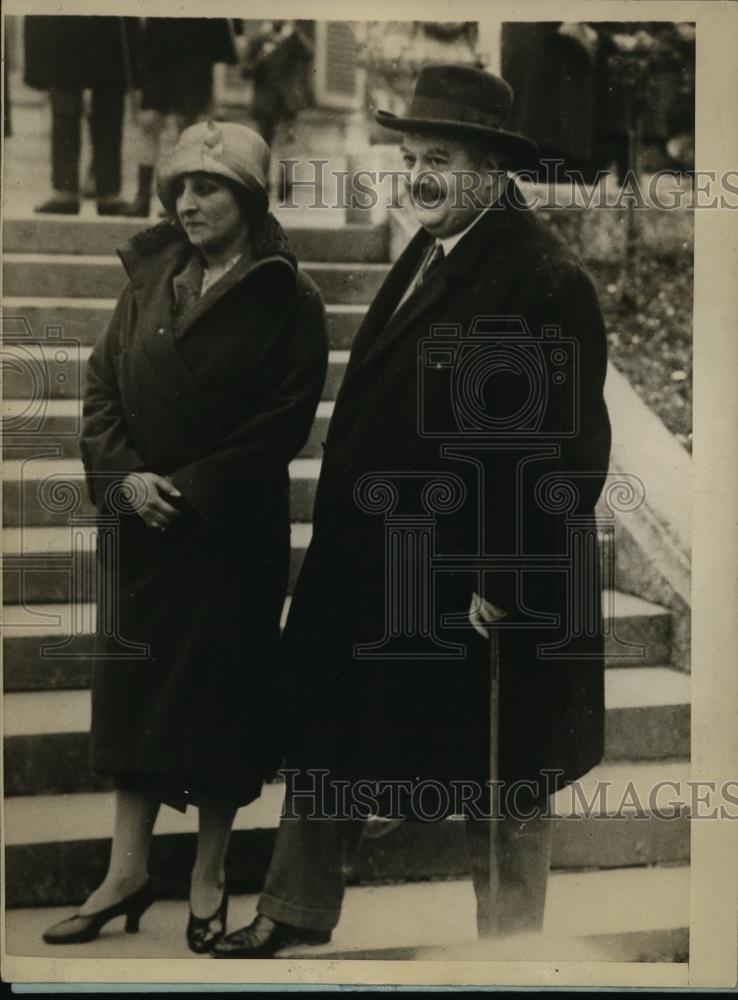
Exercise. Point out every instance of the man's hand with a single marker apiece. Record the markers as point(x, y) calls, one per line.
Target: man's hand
point(481, 612)
point(147, 491)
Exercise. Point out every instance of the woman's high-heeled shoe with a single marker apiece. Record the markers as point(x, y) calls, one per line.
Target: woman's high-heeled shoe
point(203, 933)
point(78, 928)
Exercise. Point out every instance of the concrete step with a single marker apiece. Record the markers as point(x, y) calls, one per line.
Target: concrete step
point(52, 427)
point(433, 920)
point(39, 566)
point(46, 731)
point(82, 320)
point(101, 276)
point(43, 492)
point(36, 373)
point(31, 663)
point(365, 244)
point(57, 845)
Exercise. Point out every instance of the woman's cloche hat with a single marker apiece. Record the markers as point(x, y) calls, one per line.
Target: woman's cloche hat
point(465, 101)
point(225, 149)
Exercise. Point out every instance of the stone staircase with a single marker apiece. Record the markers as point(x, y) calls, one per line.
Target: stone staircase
point(60, 281)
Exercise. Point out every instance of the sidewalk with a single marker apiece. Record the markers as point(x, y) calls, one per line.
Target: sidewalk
point(426, 915)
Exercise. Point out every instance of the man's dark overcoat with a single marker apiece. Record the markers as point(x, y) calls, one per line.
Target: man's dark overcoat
point(220, 396)
point(369, 718)
point(196, 38)
point(553, 79)
point(72, 53)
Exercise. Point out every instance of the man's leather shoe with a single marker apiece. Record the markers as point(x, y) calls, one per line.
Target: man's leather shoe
point(264, 938)
point(59, 205)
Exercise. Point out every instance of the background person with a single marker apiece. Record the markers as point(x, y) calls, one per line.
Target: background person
point(66, 56)
point(198, 396)
point(279, 63)
point(176, 73)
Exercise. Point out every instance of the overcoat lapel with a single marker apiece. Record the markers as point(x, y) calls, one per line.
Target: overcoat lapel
point(152, 285)
point(408, 313)
point(383, 327)
point(154, 296)
point(380, 311)
point(239, 272)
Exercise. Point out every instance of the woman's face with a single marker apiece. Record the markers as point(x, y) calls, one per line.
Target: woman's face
point(210, 214)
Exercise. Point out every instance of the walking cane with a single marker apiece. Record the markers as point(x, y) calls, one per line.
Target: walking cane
point(492, 916)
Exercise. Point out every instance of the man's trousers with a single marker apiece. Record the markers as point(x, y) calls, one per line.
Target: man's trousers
point(312, 857)
point(106, 132)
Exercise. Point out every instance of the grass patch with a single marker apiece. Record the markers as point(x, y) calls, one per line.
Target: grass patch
point(650, 336)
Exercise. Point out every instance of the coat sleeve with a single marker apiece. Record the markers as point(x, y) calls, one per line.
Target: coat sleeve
point(108, 453)
point(262, 447)
point(559, 294)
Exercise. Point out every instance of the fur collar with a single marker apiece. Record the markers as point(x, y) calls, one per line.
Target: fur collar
point(269, 240)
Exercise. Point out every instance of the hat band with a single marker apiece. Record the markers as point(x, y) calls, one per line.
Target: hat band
point(440, 108)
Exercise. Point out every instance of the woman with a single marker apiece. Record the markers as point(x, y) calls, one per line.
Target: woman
point(201, 392)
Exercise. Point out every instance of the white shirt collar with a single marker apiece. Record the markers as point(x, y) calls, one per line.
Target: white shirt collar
point(449, 242)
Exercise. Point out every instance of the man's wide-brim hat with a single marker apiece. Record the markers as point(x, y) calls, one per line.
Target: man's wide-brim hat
point(464, 101)
point(224, 149)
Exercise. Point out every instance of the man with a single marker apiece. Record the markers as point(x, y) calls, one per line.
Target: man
point(389, 654)
point(67, 55)
point(279, 63)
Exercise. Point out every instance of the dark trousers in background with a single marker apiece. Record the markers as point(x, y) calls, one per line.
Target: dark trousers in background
point(106, 130)
point(307, 875)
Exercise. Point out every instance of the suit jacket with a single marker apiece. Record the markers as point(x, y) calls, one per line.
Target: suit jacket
point(408, 414)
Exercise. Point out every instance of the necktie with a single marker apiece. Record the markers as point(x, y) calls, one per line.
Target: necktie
point(430, 265)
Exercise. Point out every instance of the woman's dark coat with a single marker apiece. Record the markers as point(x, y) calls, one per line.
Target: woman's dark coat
point(75, 52)
point(406, 719)
point(220, 398)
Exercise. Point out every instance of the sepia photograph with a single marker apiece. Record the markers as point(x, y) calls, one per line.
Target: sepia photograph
point(353, 477)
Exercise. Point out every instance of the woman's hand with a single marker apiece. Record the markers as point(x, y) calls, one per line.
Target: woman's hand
point(147, 492)
point(481, 612)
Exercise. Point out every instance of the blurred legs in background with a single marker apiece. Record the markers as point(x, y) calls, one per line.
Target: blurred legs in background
point(176, 84)
point(106, 128)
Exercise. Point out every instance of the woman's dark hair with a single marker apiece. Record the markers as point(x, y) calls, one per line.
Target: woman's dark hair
point(252, 201)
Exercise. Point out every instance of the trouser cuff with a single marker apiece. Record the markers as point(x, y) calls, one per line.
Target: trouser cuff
point(304, 917)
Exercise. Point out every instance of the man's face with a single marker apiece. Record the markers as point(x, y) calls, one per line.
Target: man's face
point(448, 180)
